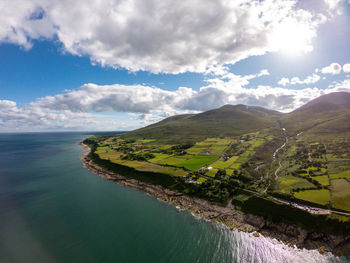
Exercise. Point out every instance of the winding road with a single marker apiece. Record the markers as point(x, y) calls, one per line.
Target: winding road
point(276, 152)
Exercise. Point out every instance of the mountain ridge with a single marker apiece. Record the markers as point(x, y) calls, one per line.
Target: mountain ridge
point(235, 120)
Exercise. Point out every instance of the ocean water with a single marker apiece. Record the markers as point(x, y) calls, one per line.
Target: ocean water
point(52, 209)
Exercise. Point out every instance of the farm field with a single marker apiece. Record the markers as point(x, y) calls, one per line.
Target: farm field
point(212, 146)
point(174, 160)
point(223, 164)
point(149, 167)
point(341, 194)
point(212, 172)
point(147, 155)
point(158, 157)
point(319, 196)
point(344, 174)
point(289, 183)
point(196, 162)
point(322, 179)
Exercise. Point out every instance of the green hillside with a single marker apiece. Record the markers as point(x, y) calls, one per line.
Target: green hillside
point(226, 121)
point(326, 114)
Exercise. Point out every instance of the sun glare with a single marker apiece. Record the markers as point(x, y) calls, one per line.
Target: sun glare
point(292, 39)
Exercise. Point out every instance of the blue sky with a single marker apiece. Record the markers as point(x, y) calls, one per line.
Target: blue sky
point(120, 65)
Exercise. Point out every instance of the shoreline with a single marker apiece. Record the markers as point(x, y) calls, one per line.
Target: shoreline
point(290, 235)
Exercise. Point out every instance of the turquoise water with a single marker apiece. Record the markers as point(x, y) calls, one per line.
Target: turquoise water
point(52, 209)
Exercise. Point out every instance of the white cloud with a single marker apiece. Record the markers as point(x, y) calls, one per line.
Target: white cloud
point(120, 107)
point(334, 69)
point(296, 80)
point(283, 81)
point(343, 85)
point(332, 4)
point(19, 22)
point(224, 78)
point(346, 68)
point(161, 36)
point(7, 104)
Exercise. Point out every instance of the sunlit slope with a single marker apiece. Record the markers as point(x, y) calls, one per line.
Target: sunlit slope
point(228, 120)
point(324, 115)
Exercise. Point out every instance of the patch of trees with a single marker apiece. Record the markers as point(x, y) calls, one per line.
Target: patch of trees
point(214, 191)
point(220, 173)
point(265, 151)
point(92, 141)
point(124, 149)
point(197, 174)
point(138, 156)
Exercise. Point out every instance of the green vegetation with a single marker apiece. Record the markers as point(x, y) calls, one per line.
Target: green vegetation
point(158, 157)
point(323, 179)
point(224, 163)
point(341, 194)
point(345, 175)
point(231, 153)
point(201, 180)
point(321, 196)
point(287, 184)
point(212, 172)
point(197, 162)
point(175, 160)
point(226, 121)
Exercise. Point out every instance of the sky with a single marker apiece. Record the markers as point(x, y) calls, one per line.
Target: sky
point(117, 65)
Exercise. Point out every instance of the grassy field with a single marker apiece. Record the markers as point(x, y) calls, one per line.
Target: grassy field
point(222, 164)
point(345, 174)
point(212, 172)
point(230, 171)
point(163, 147)
point(174, 160)
point(289, 183)
point(149, 167)
point(107, 153)
point(144, 141)
point(323, 179)
point(201, 179)
point(198, 148)
point(341, 194)
point(319, 196)
point(213, 146)
point(197, 162)
point(158, 157)
point(219, 146)
point(236, 165)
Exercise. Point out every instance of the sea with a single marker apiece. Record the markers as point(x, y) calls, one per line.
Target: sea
point(52, 209)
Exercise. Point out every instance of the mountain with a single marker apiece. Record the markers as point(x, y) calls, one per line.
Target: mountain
point(229, 120)
point(331, 101)
point(324, 115)
point(329, 113)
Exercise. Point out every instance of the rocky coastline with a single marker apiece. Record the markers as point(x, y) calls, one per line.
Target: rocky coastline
point(234, 219)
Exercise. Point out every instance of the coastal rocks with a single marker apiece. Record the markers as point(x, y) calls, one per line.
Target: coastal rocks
point(289, 234)
point(343, 248)
point(256, 221)
point(210, 215)
point(334, 241)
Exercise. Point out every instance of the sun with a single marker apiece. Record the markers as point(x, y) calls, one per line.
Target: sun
point(293, 39)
